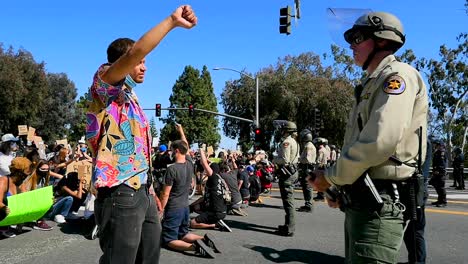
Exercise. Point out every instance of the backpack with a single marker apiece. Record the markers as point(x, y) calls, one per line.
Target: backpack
point(255, 187)
point(224, 189)
point(268, 176)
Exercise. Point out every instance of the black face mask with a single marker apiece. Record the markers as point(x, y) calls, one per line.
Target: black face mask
point(42, 174)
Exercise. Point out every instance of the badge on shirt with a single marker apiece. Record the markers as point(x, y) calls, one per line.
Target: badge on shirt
point(285, 144)
point(394, 85)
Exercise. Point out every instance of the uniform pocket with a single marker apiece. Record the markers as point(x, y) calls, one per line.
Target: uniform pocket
point(373, 253)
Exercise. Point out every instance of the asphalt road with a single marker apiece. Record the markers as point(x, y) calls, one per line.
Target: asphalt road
point(318, 239)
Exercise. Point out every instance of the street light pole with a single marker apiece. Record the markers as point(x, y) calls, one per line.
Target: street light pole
point(257, 108)
point(257, 120)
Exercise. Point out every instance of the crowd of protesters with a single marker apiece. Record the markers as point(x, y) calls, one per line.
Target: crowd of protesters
point(23, 168)
point(226, 185)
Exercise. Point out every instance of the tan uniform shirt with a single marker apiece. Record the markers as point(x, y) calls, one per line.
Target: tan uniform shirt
point(309, 154)
point(393, 105)
point(322, 157)
point(333, 155)
point(288, 152)
point(328, 149)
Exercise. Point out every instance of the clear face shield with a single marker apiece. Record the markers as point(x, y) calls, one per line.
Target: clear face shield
point(339, 20)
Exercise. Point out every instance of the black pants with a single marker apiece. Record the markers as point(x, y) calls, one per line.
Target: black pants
point(439, 186)
point(414, 238)
point(458, 179)
point(129, 226)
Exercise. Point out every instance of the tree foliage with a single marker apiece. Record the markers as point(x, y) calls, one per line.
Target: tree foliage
point(448, 89)
point(195, 88)
point(290, 90)
point(153, 130)
point(31, 96)
point(23, 88)
point(60, 110)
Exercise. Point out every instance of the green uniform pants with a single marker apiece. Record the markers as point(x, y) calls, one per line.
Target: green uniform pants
point(373, 237)
point(306, 189)
point(287, 196)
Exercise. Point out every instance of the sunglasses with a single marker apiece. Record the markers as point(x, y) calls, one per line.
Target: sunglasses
point(359, 37)
point(44, 170)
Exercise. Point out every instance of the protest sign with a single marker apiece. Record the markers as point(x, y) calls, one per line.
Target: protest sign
point(31, 133)
point(28, 206)
point(62, 142)
point(83, 168)
point(22, 130)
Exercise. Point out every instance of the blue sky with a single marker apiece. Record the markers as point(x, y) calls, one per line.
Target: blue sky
point(72, 36)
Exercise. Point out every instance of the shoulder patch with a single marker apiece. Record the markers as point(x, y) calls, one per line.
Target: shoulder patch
point(286, 144)
point(394, 85)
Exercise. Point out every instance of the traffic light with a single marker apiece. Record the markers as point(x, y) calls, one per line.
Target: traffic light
point(318, 121)
point(158, 110)
point(259, 138)
point(285, 20)
point(191, 110)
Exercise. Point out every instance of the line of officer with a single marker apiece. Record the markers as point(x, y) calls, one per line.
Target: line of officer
point(286, 160)
point(458, 177)
point(306, 164)
point(322, 161)
point(439, 173)
point(391, 105)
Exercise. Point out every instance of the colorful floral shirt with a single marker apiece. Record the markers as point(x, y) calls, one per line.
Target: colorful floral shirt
point(117, 132)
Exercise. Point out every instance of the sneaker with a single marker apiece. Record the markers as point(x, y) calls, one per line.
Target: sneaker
point(59, 219)
point(238, 211)
point(223, 226)
point(7, 233)
point(318, 198)
point(72, 216)
point(95, 232)
point(42, 225)
point(283, 230)
point(202, 249)
point(209, 241)
point(306, 209)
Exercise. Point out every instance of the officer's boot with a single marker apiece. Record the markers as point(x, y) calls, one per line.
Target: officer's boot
point(283, 230)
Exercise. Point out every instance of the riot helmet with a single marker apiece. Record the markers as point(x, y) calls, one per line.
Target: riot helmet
point(381, 25)
point(377, 25)
point(320, 141)
point(306, 135)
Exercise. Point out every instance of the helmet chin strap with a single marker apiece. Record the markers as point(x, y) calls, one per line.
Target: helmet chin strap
point(371, 56)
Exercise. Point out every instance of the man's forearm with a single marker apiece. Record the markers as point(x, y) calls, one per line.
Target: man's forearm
point(164, 198)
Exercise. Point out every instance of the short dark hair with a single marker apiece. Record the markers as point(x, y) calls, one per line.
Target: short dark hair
point(181, 146)
point(223, 167)
point(118, 48)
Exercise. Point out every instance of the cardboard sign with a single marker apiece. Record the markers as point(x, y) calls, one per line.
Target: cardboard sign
point(41, 149)
point(31, 133)
point(22, 130)
point(209, 151)
point(84, 171)
point(37, 141)
point(62, 141)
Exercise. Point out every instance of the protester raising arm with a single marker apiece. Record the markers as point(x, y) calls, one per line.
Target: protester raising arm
point(180, 129)
point(182, 17)
point(204, 163)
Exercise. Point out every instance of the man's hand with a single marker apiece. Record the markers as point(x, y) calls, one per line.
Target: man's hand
point(319, 183)
point(333, 204)
point(184, 17)
point(4, 211)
